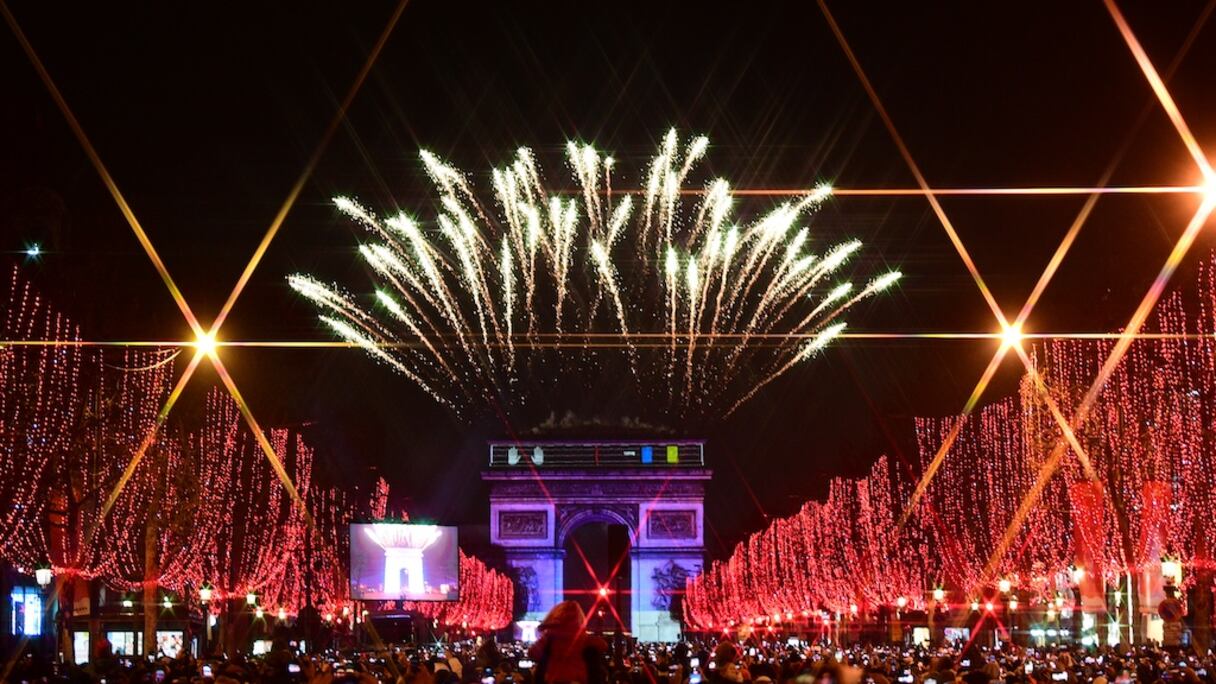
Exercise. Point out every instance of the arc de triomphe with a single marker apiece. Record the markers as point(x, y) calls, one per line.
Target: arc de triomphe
point(542, 491)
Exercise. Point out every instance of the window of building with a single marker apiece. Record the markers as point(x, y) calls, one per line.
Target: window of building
point(26, 618)
point(80, 647)
point(125, 643)
point(261, 646)
point(169, 642)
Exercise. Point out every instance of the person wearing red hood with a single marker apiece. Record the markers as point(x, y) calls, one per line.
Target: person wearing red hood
point(565, 653)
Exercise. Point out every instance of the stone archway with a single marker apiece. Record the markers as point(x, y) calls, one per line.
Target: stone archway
point(597, 545)
point(538, 501)
point(576, 517)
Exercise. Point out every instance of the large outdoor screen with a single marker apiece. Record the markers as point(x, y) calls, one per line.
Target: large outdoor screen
point(403, 562)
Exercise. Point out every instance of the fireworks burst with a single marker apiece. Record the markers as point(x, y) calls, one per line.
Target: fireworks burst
point(483, 304)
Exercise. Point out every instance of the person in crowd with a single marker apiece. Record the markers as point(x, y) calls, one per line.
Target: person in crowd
point(565, 653)
point(726, 668)
point(454, 663)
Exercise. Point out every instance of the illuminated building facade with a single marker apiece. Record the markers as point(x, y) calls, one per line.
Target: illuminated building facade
point(542, 492)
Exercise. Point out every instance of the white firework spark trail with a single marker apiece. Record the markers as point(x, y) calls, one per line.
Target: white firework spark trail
point(484, 302)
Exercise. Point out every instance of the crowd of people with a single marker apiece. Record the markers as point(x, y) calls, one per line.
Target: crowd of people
point(565, 653)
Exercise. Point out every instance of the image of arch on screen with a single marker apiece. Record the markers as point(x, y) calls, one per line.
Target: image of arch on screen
point(403, 562)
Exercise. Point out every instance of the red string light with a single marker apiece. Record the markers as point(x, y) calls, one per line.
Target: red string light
point(70, 419)
point(1147, 438)
point(486, 600)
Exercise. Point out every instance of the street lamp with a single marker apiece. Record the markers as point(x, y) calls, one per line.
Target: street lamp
point(204, 597)
point(1171, 570)
point(251, 599)
point(1004, 585)
point(43, 575)
point(939, 594)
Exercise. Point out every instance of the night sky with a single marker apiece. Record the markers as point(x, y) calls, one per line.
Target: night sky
point(206, 113)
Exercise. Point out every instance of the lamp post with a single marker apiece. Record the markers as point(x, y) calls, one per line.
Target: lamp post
point(128, 607)
point(204, 598)
point(896, 626)
point(1171, 571)
point(255, 615)
point(939, 597)
point(1078, 575)
point(43, 575)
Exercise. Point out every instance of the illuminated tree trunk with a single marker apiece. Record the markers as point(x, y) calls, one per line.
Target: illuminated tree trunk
point(66, 598)
point(1137, 619)
point(232, 626)
point(151, 573)
point(1202, 604)
point(95, 630)
point(1102, 628)
point(62, 519)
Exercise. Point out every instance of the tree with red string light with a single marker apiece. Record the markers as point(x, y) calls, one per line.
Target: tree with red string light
point(71, 418)
point(253, 539)
point(1149, 493)
point(199, 507)
point(486, 600)
point(487, 597)
point(829, 556)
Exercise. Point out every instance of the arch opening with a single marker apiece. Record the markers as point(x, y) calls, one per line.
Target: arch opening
point(597, 573)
